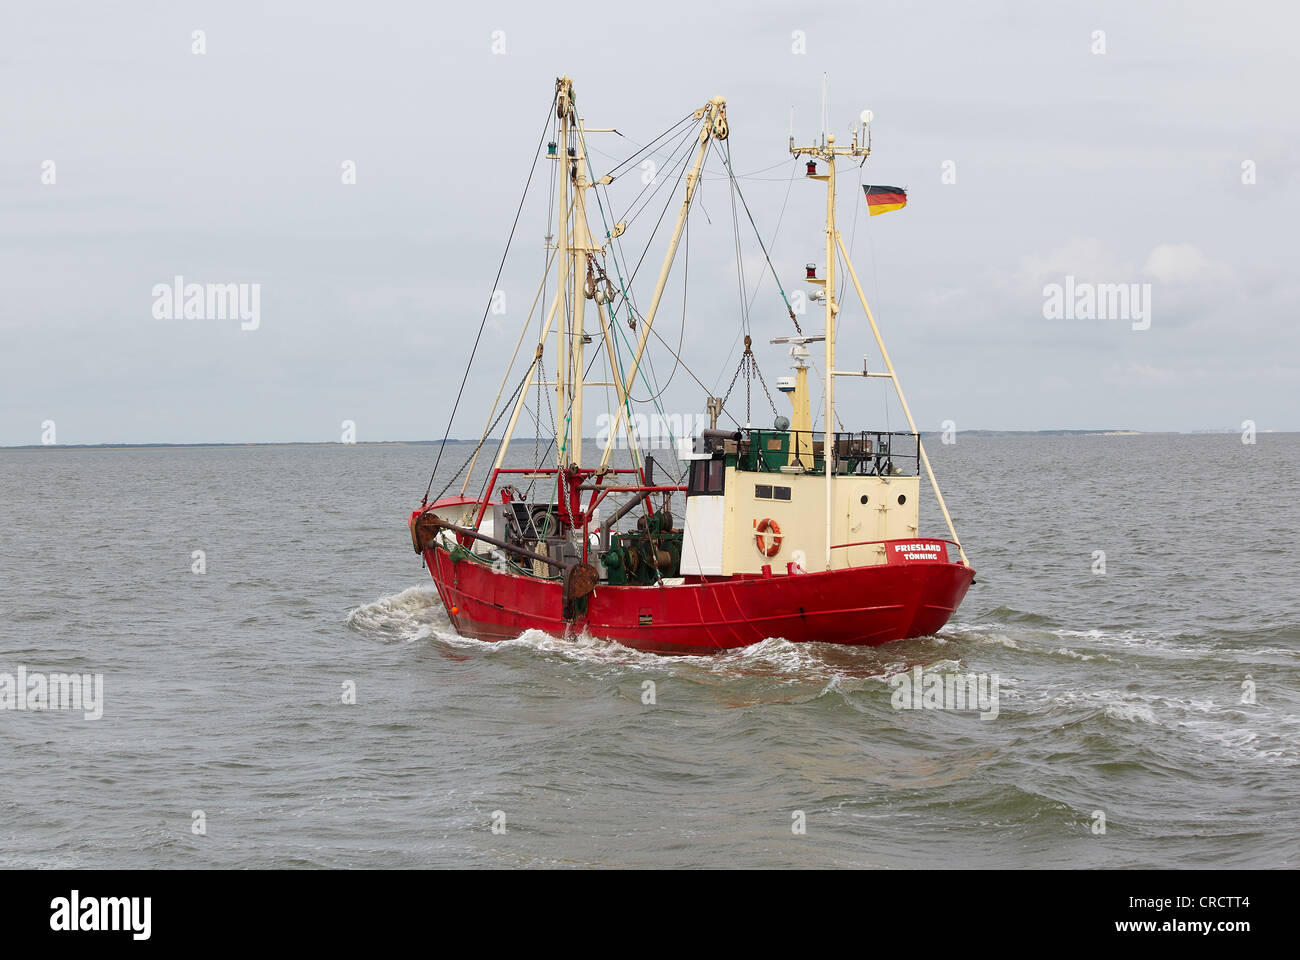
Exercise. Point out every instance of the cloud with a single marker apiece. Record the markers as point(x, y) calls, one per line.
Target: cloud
point(226, 167)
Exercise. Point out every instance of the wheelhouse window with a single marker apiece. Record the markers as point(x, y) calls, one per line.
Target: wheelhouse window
point(763, 491)
point(707, 476)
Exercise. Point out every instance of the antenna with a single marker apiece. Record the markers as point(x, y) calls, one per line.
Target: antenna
point(866, 117)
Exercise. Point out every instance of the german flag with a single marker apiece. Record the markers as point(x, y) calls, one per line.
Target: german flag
point(884, 199)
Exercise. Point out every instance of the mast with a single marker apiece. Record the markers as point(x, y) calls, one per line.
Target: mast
point(581, 250)
point(564, 260)
point(829, 447)
point(575, 249)
point(572, 246)
point(827, 151)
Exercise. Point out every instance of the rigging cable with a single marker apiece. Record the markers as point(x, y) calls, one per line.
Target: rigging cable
point(656, 181)
point(667, 133)
point(483, 323)
point(736, 187)
point(513, 396)
point(780, 218)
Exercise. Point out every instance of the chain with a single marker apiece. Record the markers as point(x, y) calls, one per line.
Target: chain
point(749, 366)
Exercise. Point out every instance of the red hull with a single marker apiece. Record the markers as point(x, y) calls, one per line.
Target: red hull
point(862, 606)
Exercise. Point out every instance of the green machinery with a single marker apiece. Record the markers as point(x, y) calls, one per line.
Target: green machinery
point(646, 555)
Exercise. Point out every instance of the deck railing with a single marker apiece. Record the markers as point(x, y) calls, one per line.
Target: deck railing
point(865, 452)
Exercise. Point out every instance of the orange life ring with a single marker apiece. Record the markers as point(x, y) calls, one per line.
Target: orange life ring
point(762, 527)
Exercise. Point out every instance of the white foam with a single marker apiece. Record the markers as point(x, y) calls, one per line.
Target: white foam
point(1154, 642)
point(1131, 712)
point(417, 614)
point(413, 614)
point(990, 633)
point(1229, 728)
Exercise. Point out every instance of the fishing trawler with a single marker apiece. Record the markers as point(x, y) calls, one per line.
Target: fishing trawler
point(786, 531)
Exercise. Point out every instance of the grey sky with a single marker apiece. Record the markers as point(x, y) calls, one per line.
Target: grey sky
point(225, 168)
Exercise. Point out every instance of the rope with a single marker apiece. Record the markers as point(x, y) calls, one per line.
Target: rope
point(486, 310)
point(504, 409)
point(726, 159)
point(541, 390)
point(666, 133)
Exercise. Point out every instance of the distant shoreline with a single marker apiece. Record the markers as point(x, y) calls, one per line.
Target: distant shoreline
point(434, 443)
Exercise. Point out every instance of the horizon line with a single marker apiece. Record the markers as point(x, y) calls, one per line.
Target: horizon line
point(152, 444)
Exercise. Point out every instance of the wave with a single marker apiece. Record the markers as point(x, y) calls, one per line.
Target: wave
point(1241, 732)
point(1120, 645)
point(414, 614)
point(802, 672)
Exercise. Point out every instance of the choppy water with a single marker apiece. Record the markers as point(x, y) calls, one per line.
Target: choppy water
point(1120, 693)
